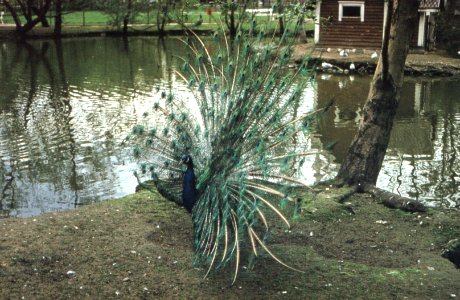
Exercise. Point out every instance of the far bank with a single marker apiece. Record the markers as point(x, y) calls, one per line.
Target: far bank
point(418, 63)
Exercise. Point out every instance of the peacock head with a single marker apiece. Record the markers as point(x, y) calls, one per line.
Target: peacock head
point(187, 159)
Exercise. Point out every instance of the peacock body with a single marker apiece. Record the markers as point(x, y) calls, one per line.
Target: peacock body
point(235, 137)
point(189, 191)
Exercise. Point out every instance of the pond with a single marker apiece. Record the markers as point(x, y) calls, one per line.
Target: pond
point(65, 108)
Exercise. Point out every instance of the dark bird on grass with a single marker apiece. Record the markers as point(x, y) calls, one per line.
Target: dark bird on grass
point(198, 22)
point(244, 125)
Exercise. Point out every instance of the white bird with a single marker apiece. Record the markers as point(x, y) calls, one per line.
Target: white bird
point(326, 65)
point(374, 55)
point(358, 115)
point(337, 114)
point(352, 67)
point(343, 53)
point(325, 76)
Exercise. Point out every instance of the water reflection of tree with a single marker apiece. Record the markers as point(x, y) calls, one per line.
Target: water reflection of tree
point(45, 131)
point(439, 176)
point(8, 191)
point(422, 159)
point(435, 177)
point(64, 97)
point(447, 181)
point(10, 57)
point(22, 132)
point(42, 155)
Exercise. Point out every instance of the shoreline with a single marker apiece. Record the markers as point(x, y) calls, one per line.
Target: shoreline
point(418, 63)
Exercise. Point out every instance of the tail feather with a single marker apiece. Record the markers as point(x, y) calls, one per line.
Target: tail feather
point(243, 138)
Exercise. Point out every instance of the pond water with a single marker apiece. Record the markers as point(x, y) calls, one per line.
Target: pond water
point(66, 107)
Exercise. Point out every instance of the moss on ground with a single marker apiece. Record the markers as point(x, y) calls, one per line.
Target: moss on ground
point(141, 247)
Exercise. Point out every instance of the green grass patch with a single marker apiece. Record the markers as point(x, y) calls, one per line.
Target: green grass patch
point(98, 18)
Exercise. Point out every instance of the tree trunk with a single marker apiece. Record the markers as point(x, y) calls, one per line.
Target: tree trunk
point(26, 10)
point(127, 17)
point(232, 26)
point(280, 12)
point(58, 19)
point(162, 18)
point(302, 32)
point(364, 159)
point(231, 18)
point(42, 17)
point(41, 14)
point(431, 33)
point(13, 13)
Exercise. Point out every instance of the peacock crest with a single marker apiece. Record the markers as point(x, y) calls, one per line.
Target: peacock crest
point(241, 128)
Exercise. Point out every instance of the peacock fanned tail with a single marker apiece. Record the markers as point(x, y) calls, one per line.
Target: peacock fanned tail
point(240, 127)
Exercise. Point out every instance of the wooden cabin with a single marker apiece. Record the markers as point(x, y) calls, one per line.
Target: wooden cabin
point(359, 24)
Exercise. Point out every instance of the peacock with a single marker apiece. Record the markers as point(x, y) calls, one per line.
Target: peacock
point(189, 190)
point(230, 153)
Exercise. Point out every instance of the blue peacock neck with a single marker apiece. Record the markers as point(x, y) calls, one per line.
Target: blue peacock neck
point(189, 191)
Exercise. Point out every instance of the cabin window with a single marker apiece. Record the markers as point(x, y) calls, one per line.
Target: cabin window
point(351, 10)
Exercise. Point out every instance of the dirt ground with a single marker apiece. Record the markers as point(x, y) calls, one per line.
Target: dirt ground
point(141, 247)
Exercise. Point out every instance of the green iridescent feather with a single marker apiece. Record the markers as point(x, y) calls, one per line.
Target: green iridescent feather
point(241, 137)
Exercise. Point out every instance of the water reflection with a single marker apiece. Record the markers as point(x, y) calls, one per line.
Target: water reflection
point(421, 161)
point(66, 106)
point(64, 109)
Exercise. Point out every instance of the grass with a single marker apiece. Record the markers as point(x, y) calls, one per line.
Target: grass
point(88, 18)
point(144, 20)
point(141, 247)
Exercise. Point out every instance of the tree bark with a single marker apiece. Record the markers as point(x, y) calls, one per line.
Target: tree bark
point(232, 20)
point(58, 19)
point(162, 18)
point(364, 159)
point(13, 13)
point(395, 201)
point(42, 17)
point(280, 11)
point(127, 17)
point(27, 12)
point(232, 25)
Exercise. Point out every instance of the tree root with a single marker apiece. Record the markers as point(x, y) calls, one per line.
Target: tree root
point(344, 197)
point(392, 200)
point(388, 199)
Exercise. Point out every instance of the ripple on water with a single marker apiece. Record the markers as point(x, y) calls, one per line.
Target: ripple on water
point(60, 134)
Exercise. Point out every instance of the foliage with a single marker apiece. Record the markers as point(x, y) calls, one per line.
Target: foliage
point(243, 131)
point(448, 30)
point(78, 5)
point(234, 14)
point(118, 10)
point(182, 11)
point(163, 8)
point(167, 11)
